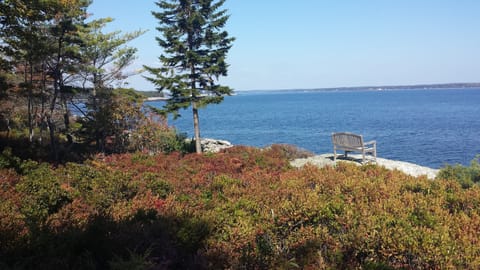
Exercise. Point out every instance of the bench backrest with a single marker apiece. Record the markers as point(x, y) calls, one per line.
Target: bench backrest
point(347, 139)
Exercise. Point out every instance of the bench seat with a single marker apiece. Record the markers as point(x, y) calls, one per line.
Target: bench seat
point(350, 142)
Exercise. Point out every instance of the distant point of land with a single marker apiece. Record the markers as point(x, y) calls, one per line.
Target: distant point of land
point(157, 96)
point(384, 87)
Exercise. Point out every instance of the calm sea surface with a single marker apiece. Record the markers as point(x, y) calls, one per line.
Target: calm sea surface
point(427, 127)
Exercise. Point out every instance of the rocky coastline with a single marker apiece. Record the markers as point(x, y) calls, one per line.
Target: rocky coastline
point(213, 146)
point(406, 167)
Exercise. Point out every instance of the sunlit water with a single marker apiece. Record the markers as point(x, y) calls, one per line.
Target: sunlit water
point(427, 127)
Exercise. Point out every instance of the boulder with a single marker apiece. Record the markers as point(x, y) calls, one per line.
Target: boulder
point(214, 145)
point(406, 167)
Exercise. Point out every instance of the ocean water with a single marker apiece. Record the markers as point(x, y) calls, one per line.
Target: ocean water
point(426, 127)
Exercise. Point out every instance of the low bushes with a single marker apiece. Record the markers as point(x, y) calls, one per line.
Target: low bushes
point(243, 208)
point(465, 175)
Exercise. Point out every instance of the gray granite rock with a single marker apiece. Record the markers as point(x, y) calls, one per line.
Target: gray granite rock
point(214, 145)
point(406, 167)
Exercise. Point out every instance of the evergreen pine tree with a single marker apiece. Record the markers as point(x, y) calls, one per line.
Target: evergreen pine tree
point(105, 56)
point(194, 51)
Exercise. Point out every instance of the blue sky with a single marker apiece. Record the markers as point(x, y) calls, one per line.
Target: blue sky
point(300, 44)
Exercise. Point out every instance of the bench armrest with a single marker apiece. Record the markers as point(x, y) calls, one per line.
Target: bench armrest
point(371, 142)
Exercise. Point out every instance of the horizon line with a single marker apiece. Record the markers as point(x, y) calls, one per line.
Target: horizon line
point(399, 86)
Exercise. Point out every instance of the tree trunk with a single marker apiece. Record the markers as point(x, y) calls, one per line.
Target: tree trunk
point(53, 143)
point(196, 127)
point(99, 140)
point(50, 120)
point(43, 101)
point(66, 120)
point(57, 87)
point(29, 84)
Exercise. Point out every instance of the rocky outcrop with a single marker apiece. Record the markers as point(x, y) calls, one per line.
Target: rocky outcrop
point(213, 145)
point(406, 167)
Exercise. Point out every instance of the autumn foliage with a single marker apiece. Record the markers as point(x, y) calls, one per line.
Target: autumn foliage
point(243, 208)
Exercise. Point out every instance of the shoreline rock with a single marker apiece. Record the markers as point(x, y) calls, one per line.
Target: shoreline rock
point(406, 167)
point(214, 145)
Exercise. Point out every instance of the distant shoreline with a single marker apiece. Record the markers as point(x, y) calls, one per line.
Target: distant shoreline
point(156, 99)
point(379, 87)
point(151, 94)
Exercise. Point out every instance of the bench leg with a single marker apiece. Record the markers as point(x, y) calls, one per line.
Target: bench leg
point(334, 154)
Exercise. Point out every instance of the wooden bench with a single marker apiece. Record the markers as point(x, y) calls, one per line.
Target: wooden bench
point(350, 142)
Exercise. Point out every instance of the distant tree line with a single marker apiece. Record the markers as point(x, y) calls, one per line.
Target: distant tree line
point(152, 94)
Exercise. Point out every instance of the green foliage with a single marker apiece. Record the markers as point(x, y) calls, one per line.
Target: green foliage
point(43, 195)
point(291, 152)
point(7, 160)
point(467, 176)
point(159, 187)
point(47, 52)
point(105, 56)
point(40, 39)
point(156, 136)
point(133, 262)
point(122, 124)
point(191, 234)
point(194, 47)
point(242, 208)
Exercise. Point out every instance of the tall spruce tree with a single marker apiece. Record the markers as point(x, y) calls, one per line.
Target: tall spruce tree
point(194, 51)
